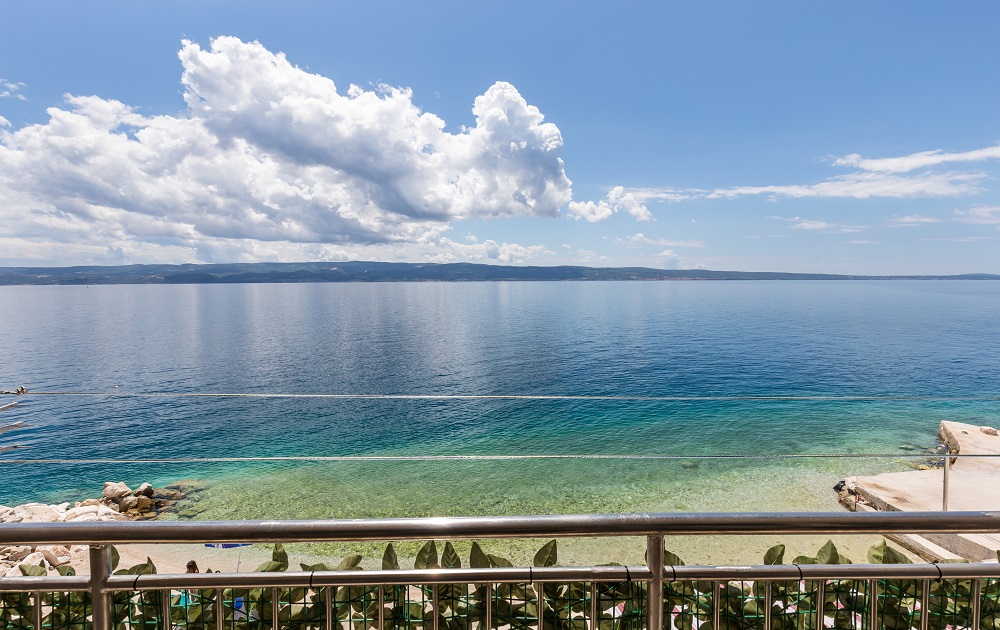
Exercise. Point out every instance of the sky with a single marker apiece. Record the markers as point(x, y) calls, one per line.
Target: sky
point(851, 137)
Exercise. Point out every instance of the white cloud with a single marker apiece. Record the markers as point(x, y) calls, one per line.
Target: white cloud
point(922, 159)
point(270, 161)
point(987, 215)
point(866, 185)
point(798, 223)
point(617, 200)
point(644, 195)
point(912, 220)
point(881, 177)
point(639, 239)
point(962, 239)
point(10, 89)
point(862, 242)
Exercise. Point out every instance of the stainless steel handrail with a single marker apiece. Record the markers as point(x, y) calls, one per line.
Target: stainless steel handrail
point(471, 527)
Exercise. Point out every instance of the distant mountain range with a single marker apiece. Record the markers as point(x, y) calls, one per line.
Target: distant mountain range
point(358, 271)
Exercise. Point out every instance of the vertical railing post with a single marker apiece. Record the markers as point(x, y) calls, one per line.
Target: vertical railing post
point(435, 624)
point(873, 604)
point(489, 606)
point(767, 604)
point(37, 611)
point(820, 604)
point(654, 593)
point(594, 613)
point(275, 609)
point(381, 606)
point(220, 609)
point(944, 489)
point(100, 599)
point(977, 603)
point(165, 607)
point(925, 604)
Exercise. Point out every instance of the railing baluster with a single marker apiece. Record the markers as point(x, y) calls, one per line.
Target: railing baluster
point(328, 607)
point(717, 604)
point(275, 609)
point(593, 607)
point(220, 610)
point(654, 591)
point(489, 606)
point(820, 603)
point(165, 607)
point(540, 592)
point(977, 603)
point(36, 622)
point(381, 607)
point(925, 600)
point(767, 604)
point(873, 604)
point(434, 607)
point(100, 600)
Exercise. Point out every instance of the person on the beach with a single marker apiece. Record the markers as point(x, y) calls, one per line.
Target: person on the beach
point(192, 567)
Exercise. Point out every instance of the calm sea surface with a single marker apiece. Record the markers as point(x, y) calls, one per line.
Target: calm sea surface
point(709, 342)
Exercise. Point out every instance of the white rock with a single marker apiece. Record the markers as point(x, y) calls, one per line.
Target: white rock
point(115, 490)
point(43, 514)
point(88, 502)
point(989, 430)
point(5, 512)
point(144, 490)
point(73, 513)
point(13, 572)
point(62, 507)
point(83, 518)
point(112, 516)
point(104, 510)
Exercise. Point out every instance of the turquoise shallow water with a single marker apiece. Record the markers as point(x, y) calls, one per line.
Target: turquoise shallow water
point(901, 340)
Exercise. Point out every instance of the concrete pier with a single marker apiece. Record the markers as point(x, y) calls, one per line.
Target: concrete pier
point(973, 485)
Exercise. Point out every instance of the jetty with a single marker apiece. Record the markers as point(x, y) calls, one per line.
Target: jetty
point(964, 484)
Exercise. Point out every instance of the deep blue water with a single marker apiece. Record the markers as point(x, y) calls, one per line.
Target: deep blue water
point(902, 339)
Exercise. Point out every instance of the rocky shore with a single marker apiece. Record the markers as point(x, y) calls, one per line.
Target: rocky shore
point(118, 502)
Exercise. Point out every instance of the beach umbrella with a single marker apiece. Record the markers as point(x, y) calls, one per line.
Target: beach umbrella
point(230, 546)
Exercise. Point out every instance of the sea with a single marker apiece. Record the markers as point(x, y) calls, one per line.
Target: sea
point(364, 400)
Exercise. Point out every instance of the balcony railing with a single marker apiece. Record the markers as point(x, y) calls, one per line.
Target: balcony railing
point(764, 597)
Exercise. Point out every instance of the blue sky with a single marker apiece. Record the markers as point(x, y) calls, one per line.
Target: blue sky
point(774, 136)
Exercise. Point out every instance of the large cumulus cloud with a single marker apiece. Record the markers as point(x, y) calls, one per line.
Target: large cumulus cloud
point(269, 153)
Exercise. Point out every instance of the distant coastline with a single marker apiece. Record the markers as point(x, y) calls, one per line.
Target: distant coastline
point(361, 271)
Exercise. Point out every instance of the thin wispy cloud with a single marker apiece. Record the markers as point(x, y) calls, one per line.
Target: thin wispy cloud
point(912, 220)
point(639, 239)
point(867, 185)
point(891, 178)
point(987, 215)
point(962, 239)
point(914, 161)
point(814, 225)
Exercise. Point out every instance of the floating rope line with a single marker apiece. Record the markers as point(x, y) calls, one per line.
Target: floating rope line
point(514, 397)
point(438, 458)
